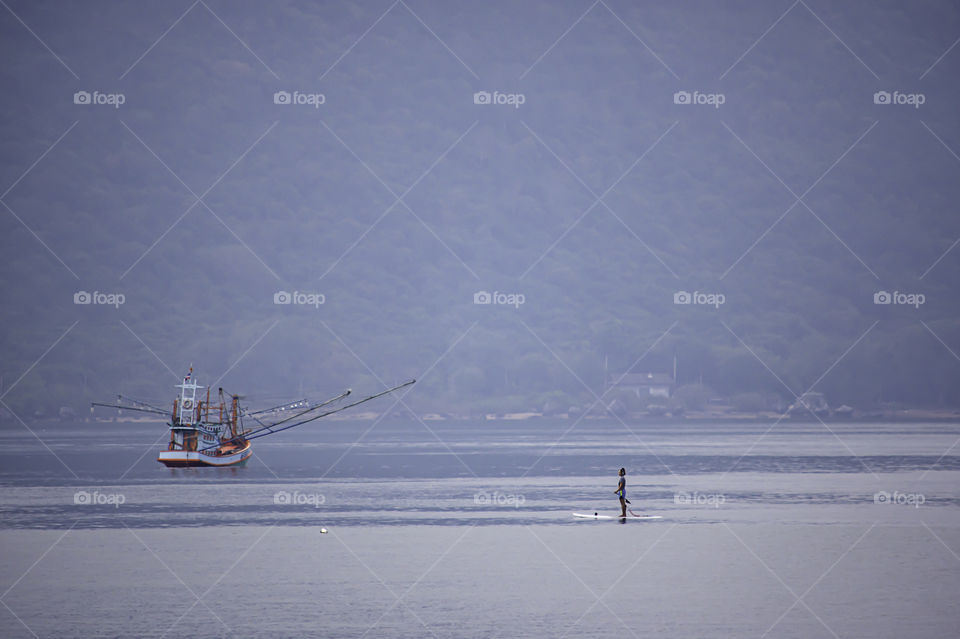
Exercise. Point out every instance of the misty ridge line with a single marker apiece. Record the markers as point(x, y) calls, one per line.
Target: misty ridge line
point(410, 190)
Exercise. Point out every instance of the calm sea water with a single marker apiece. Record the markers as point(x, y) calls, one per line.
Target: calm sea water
point(465, 530)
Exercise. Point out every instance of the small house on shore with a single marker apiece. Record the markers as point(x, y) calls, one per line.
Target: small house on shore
point(643, 385)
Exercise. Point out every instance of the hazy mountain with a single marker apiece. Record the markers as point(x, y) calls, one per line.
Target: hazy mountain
point(597, 199)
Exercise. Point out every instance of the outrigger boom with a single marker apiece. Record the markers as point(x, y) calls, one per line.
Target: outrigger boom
point(205, 434)
point(260, 431)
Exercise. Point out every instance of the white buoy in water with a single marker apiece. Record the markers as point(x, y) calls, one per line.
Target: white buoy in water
point(323, 530)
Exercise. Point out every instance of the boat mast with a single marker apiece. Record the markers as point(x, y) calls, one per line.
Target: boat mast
point(188, 401)
point(236, 412)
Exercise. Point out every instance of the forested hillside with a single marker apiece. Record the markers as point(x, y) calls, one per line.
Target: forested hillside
point(399, 197)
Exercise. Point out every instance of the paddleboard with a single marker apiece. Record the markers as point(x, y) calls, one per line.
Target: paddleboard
point(599, 516)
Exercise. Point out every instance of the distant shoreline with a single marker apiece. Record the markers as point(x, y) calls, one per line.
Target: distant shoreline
point(898, 417)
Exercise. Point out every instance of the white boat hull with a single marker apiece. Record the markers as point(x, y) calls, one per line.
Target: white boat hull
point(177, 458)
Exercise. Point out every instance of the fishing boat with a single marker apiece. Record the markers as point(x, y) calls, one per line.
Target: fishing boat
point(219, 432)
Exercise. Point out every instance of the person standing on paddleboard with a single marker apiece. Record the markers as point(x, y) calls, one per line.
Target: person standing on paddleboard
point(622, 492)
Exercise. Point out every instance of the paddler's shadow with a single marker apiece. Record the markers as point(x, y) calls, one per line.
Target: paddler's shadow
point(623, 520)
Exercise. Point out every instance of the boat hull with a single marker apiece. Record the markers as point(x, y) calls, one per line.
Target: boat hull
point(184, 458)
